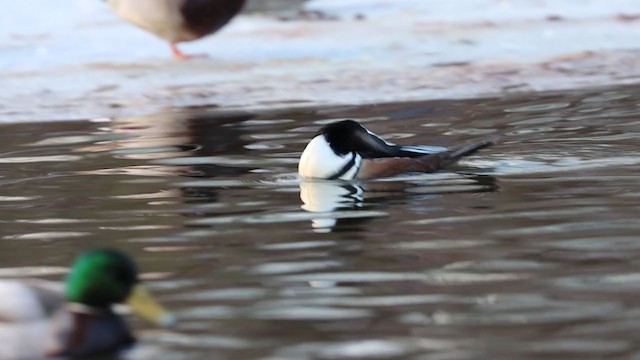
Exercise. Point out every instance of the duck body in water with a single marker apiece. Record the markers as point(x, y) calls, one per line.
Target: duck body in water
point(177, 20)
point(346, 150)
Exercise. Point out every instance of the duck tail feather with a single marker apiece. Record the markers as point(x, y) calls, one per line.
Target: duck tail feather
point(470, 148)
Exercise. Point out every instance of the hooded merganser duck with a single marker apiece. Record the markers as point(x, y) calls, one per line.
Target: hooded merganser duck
point(177, 20)
point(346, 150)
point(39, 320)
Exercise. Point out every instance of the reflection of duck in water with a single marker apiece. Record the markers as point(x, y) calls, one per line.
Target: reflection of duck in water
point(339, 203)
point(177, 20)
point(37, 320)
point(346, 150)
point(329, 196)
point(326, 197)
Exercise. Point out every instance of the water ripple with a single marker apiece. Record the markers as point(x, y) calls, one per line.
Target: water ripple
point(525, 250)
point(286, 217)
point(38, 159)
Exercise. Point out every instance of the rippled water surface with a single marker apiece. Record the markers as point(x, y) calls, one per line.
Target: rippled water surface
point(527, 250)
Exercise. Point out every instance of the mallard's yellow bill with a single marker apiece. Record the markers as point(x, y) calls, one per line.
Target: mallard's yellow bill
point(144, 305)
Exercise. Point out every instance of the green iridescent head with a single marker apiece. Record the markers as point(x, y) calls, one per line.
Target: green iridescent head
point(100, 278)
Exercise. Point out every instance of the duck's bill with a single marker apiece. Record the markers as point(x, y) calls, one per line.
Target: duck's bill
point(145, 306)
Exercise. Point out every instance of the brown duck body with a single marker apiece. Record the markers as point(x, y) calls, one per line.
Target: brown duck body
point(177, 20)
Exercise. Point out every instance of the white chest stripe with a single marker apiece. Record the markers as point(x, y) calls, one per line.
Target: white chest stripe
point(353, 171)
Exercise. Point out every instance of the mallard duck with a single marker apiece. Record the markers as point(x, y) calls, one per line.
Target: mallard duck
point(40, 320)
point(177, 20)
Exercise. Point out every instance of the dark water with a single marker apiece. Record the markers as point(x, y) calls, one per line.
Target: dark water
point(529, 250)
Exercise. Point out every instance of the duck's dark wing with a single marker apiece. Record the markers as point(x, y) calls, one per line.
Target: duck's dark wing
point(371, 146)
point(420, 150)
point(203, 17)
point(391, 166)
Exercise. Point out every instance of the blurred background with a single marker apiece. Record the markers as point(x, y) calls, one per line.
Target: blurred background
point(314, 52)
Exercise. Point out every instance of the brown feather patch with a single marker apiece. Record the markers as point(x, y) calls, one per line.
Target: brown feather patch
point(385, 167)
